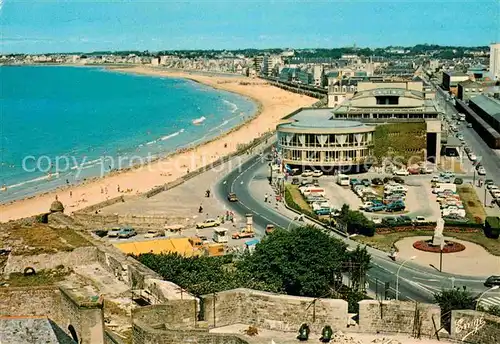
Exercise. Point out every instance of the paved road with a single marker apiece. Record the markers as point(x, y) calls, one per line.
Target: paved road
point(415, 282)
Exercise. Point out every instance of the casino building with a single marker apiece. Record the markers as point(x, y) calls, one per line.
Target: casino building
point(344, 137)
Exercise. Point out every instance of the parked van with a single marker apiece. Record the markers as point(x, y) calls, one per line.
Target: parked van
point(441, 187)
point(343, 180)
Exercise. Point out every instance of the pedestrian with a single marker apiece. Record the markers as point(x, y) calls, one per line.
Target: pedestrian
point(71, 194)
point(118, 188)
point(265, 198)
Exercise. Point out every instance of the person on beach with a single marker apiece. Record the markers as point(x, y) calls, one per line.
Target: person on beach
point(118, 188)
point(71, 194)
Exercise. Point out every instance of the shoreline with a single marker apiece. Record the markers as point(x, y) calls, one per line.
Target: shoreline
point(202, 154)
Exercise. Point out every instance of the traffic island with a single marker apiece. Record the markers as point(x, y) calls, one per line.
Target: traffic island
point(448, 247)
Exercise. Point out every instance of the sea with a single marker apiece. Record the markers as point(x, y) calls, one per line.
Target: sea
point(62, 125)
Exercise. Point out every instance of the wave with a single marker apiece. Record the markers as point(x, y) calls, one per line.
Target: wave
point(233, 106)
point(164, 138)
point(39, 179)
point(87, 164)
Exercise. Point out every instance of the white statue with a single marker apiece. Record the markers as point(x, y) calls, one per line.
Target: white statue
point(438, 238)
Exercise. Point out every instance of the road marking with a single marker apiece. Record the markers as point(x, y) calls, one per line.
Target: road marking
point(425, 279)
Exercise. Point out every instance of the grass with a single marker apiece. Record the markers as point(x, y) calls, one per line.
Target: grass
point(385, 242)
point(404, 140)
point(297, 197)
point(42, 278)
point(41, 238)
point(472, 204)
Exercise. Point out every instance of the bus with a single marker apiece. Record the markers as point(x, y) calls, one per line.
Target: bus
point(343, 180)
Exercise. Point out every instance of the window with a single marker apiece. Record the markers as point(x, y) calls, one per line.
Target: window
point(336, 98)
point(387, 100)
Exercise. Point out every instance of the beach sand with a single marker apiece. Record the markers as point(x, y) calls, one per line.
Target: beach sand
point(274, 103)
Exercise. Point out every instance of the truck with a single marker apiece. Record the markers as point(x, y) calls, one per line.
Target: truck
point(244, 233)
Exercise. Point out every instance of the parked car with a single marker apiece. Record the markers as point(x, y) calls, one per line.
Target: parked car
point(127, 233)
point(354, 181)
point(153, 234)
point(307, 173)
point(472, 156)
point(398, 180)
point(402, 172)
point(395, 206)
point(376, 220)
point(389, 221)
point(317, 174)
point(492, 281)
point(481, 171)
point(404, 219)
point(269, 228)
point(375, 207)
point(113, 233)
point(435, 179)
point(207, 223)
point(489, 182)
point(295, 181)
point(377, 181)
point(469, 125)
point(366, 182)
point(458, 181)
point(490, 186)
point(419, 219)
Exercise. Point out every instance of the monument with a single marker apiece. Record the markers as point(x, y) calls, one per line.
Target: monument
point(438, 237)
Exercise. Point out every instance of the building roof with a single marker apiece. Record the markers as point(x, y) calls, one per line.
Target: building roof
point(32, 330)
point(453, 73)
point(489, 105)
point(181, 246)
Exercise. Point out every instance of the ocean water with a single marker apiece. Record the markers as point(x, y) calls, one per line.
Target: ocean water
point(58, 123)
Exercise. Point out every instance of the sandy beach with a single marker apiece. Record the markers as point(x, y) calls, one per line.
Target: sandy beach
point(274, 103)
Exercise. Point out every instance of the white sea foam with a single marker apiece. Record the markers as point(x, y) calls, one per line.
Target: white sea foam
point(164, 138)
point(39, 179)
point(233, 106)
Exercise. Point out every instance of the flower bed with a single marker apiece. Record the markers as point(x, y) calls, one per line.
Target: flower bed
point(449, 247)
point(450, 229)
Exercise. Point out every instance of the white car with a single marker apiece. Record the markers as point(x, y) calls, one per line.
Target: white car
point(113, 233)
point(317, 174)
point(376, 220)
point(401, 173)
point(491, 186)
point(419, 219)
point(495, 193)
point(153, 234)
point(481, 171)
point(435, 179)
point(307, 173)
point(472, 156)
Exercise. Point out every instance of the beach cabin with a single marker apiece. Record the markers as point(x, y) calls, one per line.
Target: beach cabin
point(220, 235)
point(250, 244)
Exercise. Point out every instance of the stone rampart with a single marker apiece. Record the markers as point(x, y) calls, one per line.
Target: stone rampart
point(272, 311)
point(399, 317)
point(469, 326)
point(78, 256)
point(143, 333)
point(31, 301)
point(174, 314)
point(93, 208)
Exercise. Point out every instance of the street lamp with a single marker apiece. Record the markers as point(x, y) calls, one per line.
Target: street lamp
point(485, 189)
point(397, 275)
point(296, 218)
point(484, 292)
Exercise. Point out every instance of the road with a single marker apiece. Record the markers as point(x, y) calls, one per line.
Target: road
point(416, 283)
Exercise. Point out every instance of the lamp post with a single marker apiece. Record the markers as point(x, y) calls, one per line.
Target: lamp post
point(484, 292)
point(397, 275)
point(474, 178)
point(441, 256)
point(485, 189)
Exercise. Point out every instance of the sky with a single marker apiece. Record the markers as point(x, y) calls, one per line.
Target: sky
point(42, 26)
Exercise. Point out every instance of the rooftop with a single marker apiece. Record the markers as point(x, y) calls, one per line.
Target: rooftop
point(490, 105)
point(318, 118)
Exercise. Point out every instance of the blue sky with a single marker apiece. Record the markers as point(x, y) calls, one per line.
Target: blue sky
point(36, 26)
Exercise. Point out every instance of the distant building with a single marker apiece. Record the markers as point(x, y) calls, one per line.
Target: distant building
point(488, 109)
point(318, 75)
point(495, 60)
point(340, 91)
point(469, 89)
point(451, 80)
point(304, 77)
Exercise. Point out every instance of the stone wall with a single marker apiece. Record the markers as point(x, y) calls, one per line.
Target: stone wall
point(79, 256)
point(100, 205)
point(175, 314)
point(31, 301)
point(273, 311)
point(399, 317)
point(145, 334)
point(84, 314)
point(475, 327)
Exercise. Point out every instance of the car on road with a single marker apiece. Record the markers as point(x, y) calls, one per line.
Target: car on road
point(317, 174)
point(489, 182)
point(269, 228)
point(307, 173)
point(113, 233)
point(208, 223)
point(492, 281)
point(481, 171)
point(435, 179)
point(153, 234)
point(469, 125)
point(127, 233)
point(472, 156)
point(231, 197)
point(490, 185)
point(458, 181)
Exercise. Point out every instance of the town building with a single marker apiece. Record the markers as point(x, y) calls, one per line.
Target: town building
point(495, 60)
point(451, 80)
point(311, 138)
point(469, 89)
point(341, 90)
point(488, 108)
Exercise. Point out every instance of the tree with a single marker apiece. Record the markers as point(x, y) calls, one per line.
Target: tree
point(360, 262)
point(356, 222)
point(452, 299)
point(304, 261)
